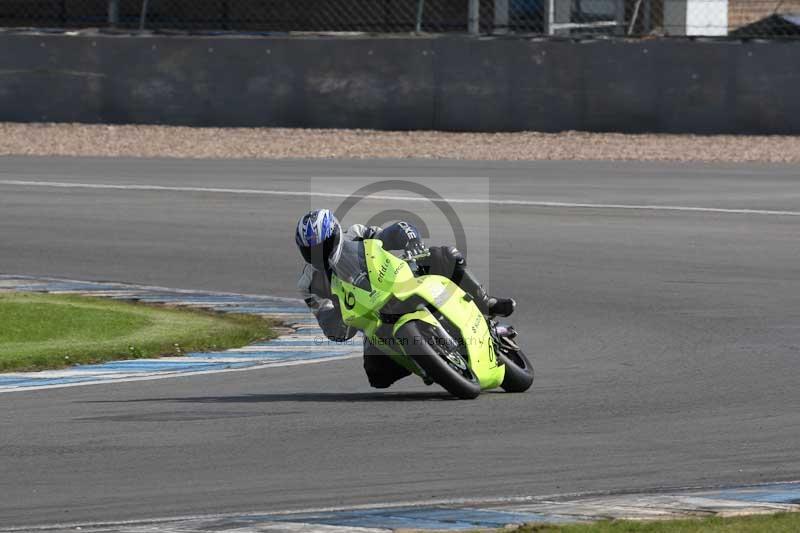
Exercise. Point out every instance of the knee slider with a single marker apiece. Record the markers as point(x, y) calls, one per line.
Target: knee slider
point(454, 255)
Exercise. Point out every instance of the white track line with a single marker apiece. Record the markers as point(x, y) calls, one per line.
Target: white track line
point(524, 203)
point(182, 374)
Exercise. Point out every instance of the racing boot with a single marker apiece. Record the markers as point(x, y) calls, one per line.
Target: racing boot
point(488, 305)
point(502, 306)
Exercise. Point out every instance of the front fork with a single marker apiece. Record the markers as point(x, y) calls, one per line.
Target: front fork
point(503, 337)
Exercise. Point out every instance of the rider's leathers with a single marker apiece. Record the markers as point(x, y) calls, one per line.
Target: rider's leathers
point(315, 286)
point(350, 266)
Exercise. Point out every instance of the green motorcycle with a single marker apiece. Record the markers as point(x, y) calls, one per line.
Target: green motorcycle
point(430, 326)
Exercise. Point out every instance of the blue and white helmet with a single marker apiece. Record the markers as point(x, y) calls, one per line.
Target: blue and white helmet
point(319, 238)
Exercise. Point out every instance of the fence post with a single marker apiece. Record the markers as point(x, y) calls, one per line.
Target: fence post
point(420, 11)
point(634, 16)
point(474, 13)
point(143, 15)
point(500, 16)
point(113, 13)
point(619, 16)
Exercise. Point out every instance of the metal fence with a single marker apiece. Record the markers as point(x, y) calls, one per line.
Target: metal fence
point(735, 18)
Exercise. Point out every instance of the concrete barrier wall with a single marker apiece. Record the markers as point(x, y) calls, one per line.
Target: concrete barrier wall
point(403, 83)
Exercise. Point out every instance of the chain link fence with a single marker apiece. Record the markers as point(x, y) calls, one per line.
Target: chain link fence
point(566, 18)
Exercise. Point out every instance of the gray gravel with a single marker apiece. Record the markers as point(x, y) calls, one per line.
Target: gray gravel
point(266, 143)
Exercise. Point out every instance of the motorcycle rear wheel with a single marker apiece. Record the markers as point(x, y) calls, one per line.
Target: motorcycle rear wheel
point(425, 345)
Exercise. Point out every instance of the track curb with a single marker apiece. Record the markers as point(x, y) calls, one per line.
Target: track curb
point(467, 514)
point(301, 342)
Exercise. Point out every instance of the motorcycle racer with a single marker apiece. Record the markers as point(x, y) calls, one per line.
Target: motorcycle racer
point(327, 249)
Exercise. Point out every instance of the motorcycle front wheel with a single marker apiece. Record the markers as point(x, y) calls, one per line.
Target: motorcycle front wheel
point(426, 345)
point(519, 371)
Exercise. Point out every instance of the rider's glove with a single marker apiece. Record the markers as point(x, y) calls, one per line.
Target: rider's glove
point(416, 249)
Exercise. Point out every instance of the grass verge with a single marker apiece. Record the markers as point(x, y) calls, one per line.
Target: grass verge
point(46, 331)
point(770, 523)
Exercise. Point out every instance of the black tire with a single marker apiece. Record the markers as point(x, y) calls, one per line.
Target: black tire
point(421, 345)
point(519, 371)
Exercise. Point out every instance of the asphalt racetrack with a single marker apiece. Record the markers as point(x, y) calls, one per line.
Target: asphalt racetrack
point(666, 341)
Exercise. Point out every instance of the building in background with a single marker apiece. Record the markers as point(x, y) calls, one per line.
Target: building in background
point(550, 17)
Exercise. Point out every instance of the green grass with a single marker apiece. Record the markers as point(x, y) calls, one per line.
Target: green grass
point(772, 523)
point(45, 331)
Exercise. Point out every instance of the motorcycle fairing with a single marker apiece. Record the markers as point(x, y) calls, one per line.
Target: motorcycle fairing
point(392, 279)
